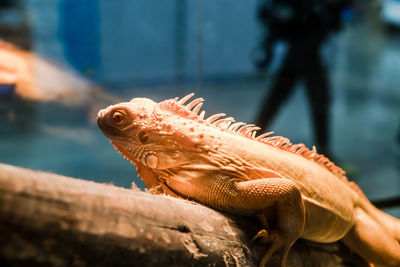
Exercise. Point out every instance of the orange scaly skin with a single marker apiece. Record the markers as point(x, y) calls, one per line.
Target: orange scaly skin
point(224, 165)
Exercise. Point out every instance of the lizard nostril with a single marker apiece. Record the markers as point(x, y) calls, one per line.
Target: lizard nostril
point(100, 113)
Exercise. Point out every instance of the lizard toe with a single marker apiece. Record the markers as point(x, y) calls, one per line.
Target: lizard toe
point(262, 236)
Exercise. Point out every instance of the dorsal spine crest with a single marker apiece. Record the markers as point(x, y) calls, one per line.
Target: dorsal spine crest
point(192, 109)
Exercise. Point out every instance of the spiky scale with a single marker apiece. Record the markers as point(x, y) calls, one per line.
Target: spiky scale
point(197, 108)
point(235, 126)
point(185, 99)
point(251, 129)
point(202, 114)
point(214, 117)
point(194, 103)
point(221, 121)
point(261, 136)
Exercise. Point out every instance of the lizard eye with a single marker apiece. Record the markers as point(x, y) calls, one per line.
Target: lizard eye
point(119, 117)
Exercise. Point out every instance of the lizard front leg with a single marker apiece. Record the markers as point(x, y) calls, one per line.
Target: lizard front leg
point(243, 197)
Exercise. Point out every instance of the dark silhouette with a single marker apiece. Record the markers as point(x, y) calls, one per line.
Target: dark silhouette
point(398, 136)
point(14, 24)
point(304, 25)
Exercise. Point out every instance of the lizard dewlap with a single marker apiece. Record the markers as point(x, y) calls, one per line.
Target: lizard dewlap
point(227, 165)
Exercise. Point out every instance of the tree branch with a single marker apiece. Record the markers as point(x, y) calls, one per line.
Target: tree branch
point(48, 219)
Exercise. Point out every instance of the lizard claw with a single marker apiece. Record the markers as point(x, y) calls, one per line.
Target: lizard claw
point(262, 236)
point(156, 190)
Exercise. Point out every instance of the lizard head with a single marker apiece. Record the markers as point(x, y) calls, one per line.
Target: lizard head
point(158, 138)
point(165, 141)
point(140, 130)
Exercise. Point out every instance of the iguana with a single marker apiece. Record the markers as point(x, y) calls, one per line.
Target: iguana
point(296, 192)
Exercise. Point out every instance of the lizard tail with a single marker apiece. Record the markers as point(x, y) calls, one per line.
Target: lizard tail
point(390, 223)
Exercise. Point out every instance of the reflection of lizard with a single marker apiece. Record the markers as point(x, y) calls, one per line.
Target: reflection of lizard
point(296, 192)
point(37, 79)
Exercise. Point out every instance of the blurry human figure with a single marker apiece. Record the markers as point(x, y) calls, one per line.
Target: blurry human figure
point(398, 136)
point(304, 25)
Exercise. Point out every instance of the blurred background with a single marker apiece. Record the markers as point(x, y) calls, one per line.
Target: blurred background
point(321, 72)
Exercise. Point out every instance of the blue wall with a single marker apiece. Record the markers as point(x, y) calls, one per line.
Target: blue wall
point(142, 41)
point(140, 38)
point(79, 34)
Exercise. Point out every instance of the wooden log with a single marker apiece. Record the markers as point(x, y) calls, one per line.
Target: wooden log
point(52, 220)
